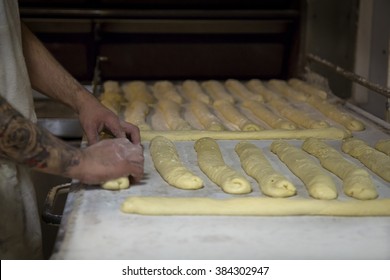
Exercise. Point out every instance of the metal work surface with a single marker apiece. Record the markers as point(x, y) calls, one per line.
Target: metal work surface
point(93, 227)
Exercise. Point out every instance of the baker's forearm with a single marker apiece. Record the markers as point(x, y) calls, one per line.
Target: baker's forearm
point(24, 142)
point(49, 77)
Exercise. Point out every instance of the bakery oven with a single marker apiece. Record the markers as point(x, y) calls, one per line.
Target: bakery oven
point(336, 45)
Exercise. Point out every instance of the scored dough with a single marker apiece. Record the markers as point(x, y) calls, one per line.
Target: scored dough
point(211, 162)
point(232, 115)
point(217, 91)
point(137, 90)
point(165, 90)
point(357, 182)
point(375, 160)
point(322, 133)
point(167, 162)
point(266, 115)
point(193, 91)
point(383, 146)
point(318, 183)
point(136, 112)
point(204, 116)
point(170, 110)
point(117, 184)
point(256, 165)
point(237, 88)
point(254, 206)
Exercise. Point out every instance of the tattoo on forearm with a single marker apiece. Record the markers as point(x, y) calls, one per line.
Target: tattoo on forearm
point(26, 143)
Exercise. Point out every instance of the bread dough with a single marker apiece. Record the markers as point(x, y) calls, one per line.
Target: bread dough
point(170, 111)
point(266, 115)
point(258, 87)
point(232, 115)
point(212, 164)
point(322, 133)
point(298, 116)
point(383, 146)
point(117, 184)
point(239, 90)
point(137, 90)
point(376, 161)
point(308, 89)
point(167, 162)
point(111, 105)
point(165, 90)
point(136, 112)
point(111, 86)
point(193, 91)
point(256, 165)
point(334, 113)
point(254, 206)
point(357, 182)
point(217, 91)
point(283, 88)
point(204, 116)
point(318, 182)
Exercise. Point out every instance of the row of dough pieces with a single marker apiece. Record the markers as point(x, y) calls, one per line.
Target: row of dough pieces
point(357, 182)
point(270, 102)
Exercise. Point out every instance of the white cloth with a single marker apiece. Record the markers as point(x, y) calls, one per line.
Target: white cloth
point(20, 232)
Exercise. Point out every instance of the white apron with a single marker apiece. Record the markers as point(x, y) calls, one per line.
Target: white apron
point(20, 232)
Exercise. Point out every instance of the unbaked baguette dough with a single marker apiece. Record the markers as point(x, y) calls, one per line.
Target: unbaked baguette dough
point(383, 146)
point(258, 87)
point(375, 160)
point(256, 165)
point(318, 182)
point(357, 182)
point(165, 90)
point(211, 162)
point(305, 87)
point(111, 105)
point(254, 206)
point(298, 116)
point(322, 133)
point(283, 88)
point(208, 120)
point(136, 112)
point(111, 86)
point(170, 111)
point(193, 91)
point(167, 162)
point(334, 113)
point(239, 90)
point(228, 111)
point(217, 91)
point(117, 184)
point(137, 90)
point(266, 115)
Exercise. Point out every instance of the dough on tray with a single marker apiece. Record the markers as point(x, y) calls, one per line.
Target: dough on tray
point(239, 90)
point(137, 90)
point(217, 91)
point(283, 88)
point(318, 182)
point(258, 87)
point(167, 162)
point(117, 184)
point(232, 115)
point(193, 91)
point(211, 162)
point(170, 111)
point(207, 119)
point(383, 146)
point(357, 182)
point(256, 165)
point(307, 88)
point(166, 90)
point(136, 112)
point(375, 160)
point(254, 206)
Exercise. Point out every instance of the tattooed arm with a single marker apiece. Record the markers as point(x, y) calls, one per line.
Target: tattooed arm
point(24, 142)
point(50, 78)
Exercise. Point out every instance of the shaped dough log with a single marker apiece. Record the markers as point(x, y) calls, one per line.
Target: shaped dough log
point(238, 89)
point(255, 164)
point(383, 146)
point(167, 162)
point(117, 184)
point(136, 112)
point(137, 90)
point(376, 161)
point(283, 88)
point(318, 183)
point(165, 90)
point(232, 115)
point(212, 164)
point(264, 114)
point(204, 116)
point(254, 206)
point(258, 87)
point(217, 91)
point(170, 110)
point(322, 133)
point(357, 182)
point(193, 91)
point(307, 88)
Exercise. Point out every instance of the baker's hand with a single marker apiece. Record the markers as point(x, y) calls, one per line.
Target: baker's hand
point(95, 118)
point(109, 159)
